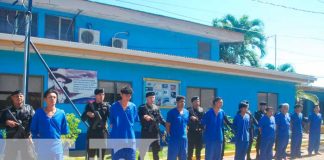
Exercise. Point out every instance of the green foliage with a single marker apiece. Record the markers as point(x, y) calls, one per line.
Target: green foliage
point(228, 132)
point(253, 46)
point(74, 131)
point(3, 133)
point(284, 67)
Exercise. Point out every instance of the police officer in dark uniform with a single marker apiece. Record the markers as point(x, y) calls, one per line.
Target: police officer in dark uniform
point(96, 114)
point(258, 115)
point(195, 129)
point(151, 118)
point(253, 122)
point(17, 119)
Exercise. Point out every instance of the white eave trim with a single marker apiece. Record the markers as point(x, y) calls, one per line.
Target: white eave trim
point(217, 67)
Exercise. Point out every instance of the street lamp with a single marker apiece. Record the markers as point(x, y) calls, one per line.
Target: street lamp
point(275, 39)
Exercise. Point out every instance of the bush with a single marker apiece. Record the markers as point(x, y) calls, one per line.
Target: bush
point(228, 132)
point(74, 131)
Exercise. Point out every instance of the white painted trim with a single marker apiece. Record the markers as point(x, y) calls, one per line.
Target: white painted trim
point(124, 15)
point(218, 67)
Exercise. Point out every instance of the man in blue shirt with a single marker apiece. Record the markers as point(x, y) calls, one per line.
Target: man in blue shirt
point(296, 132)
point(241, 126)
point(267, 127)
point(315, 120)
point(282, 132)
point(213, 122)
point(177, 120)
point(123, 115)
point(48, 124)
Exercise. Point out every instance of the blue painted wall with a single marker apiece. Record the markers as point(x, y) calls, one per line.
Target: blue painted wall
point(232, 89)
point(139, 38)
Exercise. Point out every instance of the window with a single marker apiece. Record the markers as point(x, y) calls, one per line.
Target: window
point(13, 22)
point(206, 95)
point(9, 83)
point(112, 90)
point(204, 50)
point(59, 28)
point(270, 98)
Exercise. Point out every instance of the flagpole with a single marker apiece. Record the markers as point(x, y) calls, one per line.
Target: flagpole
point(26, 49)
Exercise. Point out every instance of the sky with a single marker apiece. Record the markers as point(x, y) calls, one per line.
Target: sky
point(297, 24)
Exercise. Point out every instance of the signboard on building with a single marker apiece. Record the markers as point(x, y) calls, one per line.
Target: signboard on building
point(165, 91)
point(78, 84)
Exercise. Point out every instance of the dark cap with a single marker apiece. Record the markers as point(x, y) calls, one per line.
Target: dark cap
point(263, 103)
point(58, 75)
point(148, 94)
point(98, 91)
point(16, 92)
point(194, 98)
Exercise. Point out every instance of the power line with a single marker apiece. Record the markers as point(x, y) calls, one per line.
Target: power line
point(196, 19)
point(288, 7)
point(147, 6)
point(183, 7)
point(302, 37)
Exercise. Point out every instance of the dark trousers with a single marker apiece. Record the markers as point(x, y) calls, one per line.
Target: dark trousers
point(195, 141)
point(257, 146)
point(15, 146)
point(248, 153)
point(96, 134)
point(155, 146)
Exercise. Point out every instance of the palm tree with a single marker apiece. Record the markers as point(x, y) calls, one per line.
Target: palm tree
point(284, 67)
point(253, 47)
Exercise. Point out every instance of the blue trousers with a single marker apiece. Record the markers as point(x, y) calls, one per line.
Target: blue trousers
point(266, 146)
point(296, 140)
point(281, 146)
point(125, 153)
point(213, 150)
point(241, 148)
point(314, 142)
point(178, 149)
point(41, 156)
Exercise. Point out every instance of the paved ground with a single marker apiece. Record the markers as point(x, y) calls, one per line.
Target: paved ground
point(304, 152)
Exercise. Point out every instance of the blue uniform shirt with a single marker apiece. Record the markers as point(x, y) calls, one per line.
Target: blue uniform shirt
point(50, 128)
point(178, 123)
point(213, 125)
point(241, 127)
point(283, 124)
point(315, 121)
point(267, 125)
point(296, 122)
point(123, 121)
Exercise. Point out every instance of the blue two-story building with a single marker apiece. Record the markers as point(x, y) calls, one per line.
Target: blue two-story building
point(97, 45)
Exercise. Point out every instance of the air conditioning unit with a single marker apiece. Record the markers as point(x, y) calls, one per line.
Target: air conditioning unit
point(89, 36)
point(119, 43)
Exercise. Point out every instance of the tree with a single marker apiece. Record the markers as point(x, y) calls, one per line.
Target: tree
point(253, 47)
point(284, 67)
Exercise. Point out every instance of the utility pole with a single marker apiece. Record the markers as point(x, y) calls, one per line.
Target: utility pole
point(275, 40)
point(26, 49)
